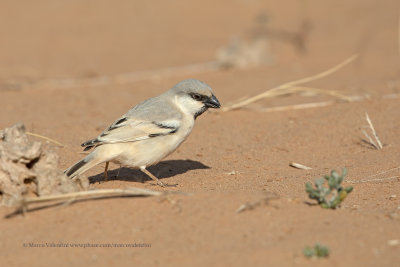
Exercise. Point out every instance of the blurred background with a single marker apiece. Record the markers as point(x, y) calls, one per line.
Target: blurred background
point(49, 39)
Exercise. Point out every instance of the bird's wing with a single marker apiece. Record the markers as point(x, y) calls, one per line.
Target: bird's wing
point(128, 129)
point(153, 117)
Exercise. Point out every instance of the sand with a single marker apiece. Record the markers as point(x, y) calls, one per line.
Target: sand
point(58, 67)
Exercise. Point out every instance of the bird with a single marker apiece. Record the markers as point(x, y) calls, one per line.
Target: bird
point(149, 131)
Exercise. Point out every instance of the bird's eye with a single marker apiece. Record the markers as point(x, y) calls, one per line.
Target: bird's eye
point(197, 97)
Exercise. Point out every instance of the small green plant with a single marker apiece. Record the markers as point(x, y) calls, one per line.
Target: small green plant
point(329, 197)
point(318, 251)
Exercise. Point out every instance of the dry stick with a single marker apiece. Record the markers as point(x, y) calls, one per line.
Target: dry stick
point(273, 91)
point(379, 173)
point(307, 105)
point(94, 194)
point(250, 206)
point(299, 166)
point(321, 91)
point(371, 141)
point(295, 89)
point(286, 91)
point(70, 197)
point(373, 131)
point(296, 107)
point(376, 179)
point(46, 138)
point(373, 180)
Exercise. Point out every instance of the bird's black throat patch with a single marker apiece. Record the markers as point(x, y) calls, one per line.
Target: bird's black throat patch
point(201, 111)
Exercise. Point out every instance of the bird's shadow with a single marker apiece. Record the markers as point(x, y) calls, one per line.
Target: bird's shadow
point(162, 170)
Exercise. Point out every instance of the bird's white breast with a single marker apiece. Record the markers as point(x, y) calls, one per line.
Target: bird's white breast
point(152, 150)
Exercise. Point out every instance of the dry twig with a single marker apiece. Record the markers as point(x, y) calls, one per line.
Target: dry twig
point(299, 166)
point(37, 135)
point(307, 105)
point(22, 205)
point(296, 107)
point(370, 140)
point(265, 201)
point(378, 144)
point(292, 86)
point(46, 138)
point(390, 170)
point(376, 179)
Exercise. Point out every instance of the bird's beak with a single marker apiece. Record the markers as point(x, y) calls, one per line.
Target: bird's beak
point(212, 102)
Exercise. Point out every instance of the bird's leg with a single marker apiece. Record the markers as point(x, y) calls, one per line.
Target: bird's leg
point(105, 172)
point(120, 166)
point(143, 169)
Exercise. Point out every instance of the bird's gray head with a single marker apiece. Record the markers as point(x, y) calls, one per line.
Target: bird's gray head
point(194, 97)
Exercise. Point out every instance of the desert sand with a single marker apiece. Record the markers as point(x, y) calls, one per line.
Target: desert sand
point(68, 69)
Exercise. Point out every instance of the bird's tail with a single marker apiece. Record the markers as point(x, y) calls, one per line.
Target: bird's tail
point(82, 166)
